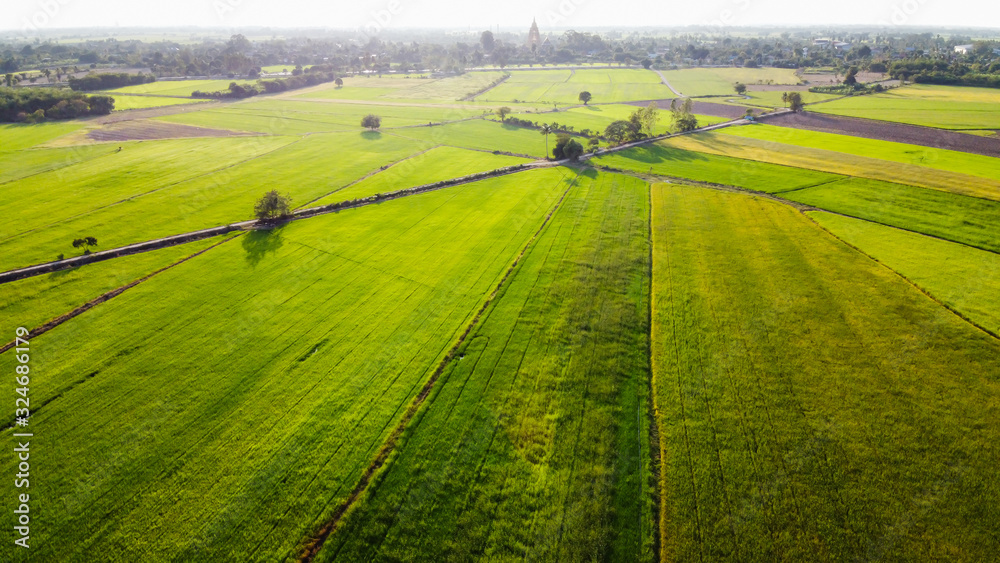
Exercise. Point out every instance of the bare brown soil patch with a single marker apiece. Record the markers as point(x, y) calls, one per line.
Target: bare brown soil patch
point(146, 130)
point(828, 79)
point(884, 131)
point(779, 87)
point(147, 113)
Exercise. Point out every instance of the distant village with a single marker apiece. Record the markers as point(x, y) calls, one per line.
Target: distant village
point(52, 59)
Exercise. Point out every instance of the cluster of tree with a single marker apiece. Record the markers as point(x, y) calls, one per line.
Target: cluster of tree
point(793, 99)
point(310, 78)
point(640, 125)
point(567, 147)
point(108, 81)
point(683, 116)
point(553, 127)
point(11, 79)
point(407, 50)
point(31, 105)
point(927, 70)
point(970, 79)
point(521, 122)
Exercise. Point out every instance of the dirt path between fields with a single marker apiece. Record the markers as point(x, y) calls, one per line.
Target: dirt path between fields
point(667, 83)
point(472, 97)
point(886, 131)
point(313, 545)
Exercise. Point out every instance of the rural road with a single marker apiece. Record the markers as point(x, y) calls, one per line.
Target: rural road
point(145, 246)
point(154, 244)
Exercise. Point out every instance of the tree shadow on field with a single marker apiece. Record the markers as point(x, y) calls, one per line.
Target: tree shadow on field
point(59, 274)
point(371, 135)
point(258, 244)
point(656, 154)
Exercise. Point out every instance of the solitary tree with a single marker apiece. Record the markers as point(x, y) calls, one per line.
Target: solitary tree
point(740, 88)
point(585, 97)
point(502, 113)
point(85, 243)
point(339, 82)
point(271, 206)
point(371, 121)
point(546, 130)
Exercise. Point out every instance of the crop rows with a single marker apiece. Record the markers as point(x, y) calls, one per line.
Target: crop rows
point(564, 87)
point(839, 163)
point(939, 159)
point(191, 185)
point(958, 218)
point(536, 443)
point(960, 108)
point(664, 160)
point(223, 408)
point(812, 405)
point(966, 279)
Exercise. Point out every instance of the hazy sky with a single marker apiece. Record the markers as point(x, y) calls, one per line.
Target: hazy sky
point(511, 14)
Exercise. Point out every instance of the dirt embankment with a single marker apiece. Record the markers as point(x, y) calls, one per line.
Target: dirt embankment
point(885, 131)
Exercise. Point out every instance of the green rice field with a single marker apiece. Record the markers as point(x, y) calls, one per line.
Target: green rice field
point(966, 279)
point(400, 88)
point(944, 107)
point(752, 343)
point(564, 86)
point(798, 388)
point(182, 88)
point(544, 431)
point(404, 279)
point(924, 173)
point(720, 81)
